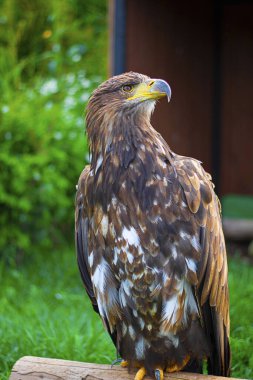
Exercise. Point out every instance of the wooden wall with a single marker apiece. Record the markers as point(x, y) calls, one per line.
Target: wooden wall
point(237, 99)
point(178, 42)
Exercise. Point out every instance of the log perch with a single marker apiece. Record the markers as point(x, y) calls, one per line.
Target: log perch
point(238, 229)
point(33, 368)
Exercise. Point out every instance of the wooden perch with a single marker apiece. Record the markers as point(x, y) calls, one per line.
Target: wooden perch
point(238, 229)
point(32, 368)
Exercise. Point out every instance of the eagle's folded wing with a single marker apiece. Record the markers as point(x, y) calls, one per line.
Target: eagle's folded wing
point(81, 239)
point(212, 286)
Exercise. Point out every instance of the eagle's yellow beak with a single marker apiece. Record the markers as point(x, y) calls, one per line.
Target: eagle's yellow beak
point(154, 89)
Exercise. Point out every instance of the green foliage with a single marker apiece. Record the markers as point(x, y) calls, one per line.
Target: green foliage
point(44, 312)
point(37, 37)
point(237, 206)
point(42, 155)
point(51, 57)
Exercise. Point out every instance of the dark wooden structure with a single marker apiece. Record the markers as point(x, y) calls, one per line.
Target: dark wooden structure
point(204, 49)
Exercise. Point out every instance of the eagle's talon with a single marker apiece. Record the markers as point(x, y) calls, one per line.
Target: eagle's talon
point(116, 361)
point(159, 374)
point(124, 363)
point(140, 374)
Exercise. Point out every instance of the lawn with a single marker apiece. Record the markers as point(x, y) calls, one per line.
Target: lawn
point(44, 312)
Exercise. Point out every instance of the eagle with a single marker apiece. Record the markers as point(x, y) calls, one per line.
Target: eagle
point(149, 240)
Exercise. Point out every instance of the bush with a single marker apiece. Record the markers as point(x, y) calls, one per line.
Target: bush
point(37, 37)
point(43, 152)
point(51, 57)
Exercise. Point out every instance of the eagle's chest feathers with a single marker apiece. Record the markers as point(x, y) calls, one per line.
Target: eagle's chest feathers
point(141, 223)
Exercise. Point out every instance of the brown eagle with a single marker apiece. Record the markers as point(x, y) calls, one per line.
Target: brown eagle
point(149, 238)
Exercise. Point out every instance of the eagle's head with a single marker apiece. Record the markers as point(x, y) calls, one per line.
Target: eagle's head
point(121, 108)
point(129, 92)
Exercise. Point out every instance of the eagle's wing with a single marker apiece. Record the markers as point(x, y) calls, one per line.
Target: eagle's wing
point(81, 239)
point(212, 286)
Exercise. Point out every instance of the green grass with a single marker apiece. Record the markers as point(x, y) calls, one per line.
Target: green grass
point(241, 312)
point(44, 312)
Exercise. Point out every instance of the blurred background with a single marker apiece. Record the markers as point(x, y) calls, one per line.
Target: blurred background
point(52, 55)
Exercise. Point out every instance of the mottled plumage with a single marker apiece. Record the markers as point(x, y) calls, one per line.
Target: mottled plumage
point(149, 239)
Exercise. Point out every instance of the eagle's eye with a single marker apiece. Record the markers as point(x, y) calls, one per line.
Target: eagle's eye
point(128, 87)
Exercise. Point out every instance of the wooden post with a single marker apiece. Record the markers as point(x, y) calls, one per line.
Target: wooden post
point(33, 368)
point(238, 229)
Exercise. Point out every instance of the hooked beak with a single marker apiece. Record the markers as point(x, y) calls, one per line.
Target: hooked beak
point(153, 89)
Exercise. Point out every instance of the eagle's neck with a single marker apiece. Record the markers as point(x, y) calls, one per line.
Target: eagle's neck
point(118, 138)
point(126, 151)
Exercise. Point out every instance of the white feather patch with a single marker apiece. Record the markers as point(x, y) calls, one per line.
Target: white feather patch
point(124, 291)
point(171, 306)
point(104, 225)
point(130, 257)
point(170, 310)
point(193, 240)
point(174, 252)
point(115, 256)
point(190, 302)
point(142, 323)
point(122, 297)
point(195, 243)
point(99, 163)
point(191, 264)
point(91, 259)
point(135, 313)
point(139, 348)
point(131, 236)
point(106, 292)
point(126, 286)
point(131, 332)
point(100, 275)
